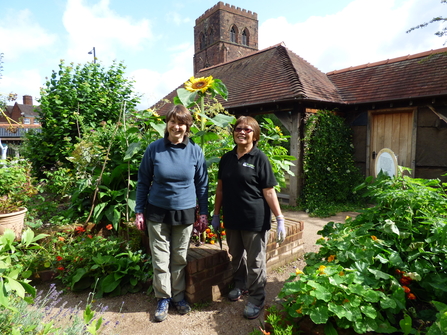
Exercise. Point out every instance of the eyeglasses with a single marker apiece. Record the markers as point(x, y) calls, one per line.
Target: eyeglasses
point(246, 130)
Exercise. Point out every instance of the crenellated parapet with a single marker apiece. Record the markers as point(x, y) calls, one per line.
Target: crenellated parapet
point(229, 8)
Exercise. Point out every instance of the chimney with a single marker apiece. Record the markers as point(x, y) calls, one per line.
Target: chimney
point(28, 100)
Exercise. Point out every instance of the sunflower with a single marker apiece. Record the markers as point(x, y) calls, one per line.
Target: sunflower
point(199, 84)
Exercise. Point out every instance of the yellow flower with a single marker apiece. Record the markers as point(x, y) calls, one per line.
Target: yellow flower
point(156, 114)
point(299, 311)
point(331, 258)
point(299, 272)
point(199, 84)
point(347, 217)
point(374, 238)
point(321, 269)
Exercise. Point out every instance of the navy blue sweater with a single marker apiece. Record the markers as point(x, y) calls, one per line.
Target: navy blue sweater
point(172, 177)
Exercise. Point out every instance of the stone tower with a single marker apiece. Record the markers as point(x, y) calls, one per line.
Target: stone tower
point(224, 33)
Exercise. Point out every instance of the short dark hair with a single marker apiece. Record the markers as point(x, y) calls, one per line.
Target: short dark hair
point(250, 121)
point(182, 114)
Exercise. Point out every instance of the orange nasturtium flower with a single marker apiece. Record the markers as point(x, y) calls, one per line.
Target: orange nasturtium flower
point(60, 238)
point(341, 273)
point(374, 238)
point(264, 331)
point(411, 296)
point(299, 311)
point(406, 289)
point(80, 229)
point(61, 268)
point(331, 258)
point(207, 230)
point(109, 226)
point(59, 258)
point(199, 84)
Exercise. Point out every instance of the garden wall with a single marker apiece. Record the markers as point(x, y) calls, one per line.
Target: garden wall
point(209, 273)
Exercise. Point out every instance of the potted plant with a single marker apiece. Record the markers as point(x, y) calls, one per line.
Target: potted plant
point(16, 189)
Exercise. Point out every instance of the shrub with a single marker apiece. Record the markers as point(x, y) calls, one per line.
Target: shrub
point(383, 271)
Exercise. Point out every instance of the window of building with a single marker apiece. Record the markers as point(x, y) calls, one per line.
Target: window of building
point(233, 35)
point(210, 36)
point(36, 121)
point(202, 41)
point(245, 37)
point(26, 120)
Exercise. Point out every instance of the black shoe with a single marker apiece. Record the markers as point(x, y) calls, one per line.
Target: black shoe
point(182, 307)
point(161, 313)
point(251, 311)
point(236, 293)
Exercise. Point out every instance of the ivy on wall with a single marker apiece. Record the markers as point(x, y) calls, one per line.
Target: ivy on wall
point(329, 168)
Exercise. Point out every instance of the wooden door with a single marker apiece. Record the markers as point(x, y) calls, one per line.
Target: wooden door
point(392, 129)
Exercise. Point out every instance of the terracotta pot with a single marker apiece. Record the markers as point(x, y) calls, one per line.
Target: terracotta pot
point(13, 221)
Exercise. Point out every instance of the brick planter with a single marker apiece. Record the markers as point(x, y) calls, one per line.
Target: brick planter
point(209, 272)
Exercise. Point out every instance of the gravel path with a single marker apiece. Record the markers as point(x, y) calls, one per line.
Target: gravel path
point(134, 312)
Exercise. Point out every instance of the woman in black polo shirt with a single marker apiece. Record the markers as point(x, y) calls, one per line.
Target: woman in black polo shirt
point(246, 195)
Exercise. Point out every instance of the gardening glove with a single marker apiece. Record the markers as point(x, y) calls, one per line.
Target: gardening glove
point(281, 230)
point(215, 222)
point(202, 223)
point(140, 222)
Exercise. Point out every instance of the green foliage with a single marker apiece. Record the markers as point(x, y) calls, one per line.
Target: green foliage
point(44, 316)
point(331, 174)
point(88, 90)
point(379, 271)
point(108, 265)
point(11, 254)
point(17, 186)
point(272, 143)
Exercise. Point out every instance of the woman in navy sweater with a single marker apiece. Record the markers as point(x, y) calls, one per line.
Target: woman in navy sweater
point(172, 179)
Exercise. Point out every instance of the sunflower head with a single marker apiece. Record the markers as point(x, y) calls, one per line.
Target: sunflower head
point(199, 84)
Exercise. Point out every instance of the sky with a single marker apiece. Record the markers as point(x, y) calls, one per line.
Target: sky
point(155, 39)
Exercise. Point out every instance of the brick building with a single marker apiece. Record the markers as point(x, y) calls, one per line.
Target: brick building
point(22, 117)
point(224, 33)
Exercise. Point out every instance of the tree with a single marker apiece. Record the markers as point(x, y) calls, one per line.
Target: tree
point(440, 33)
point(86, 92)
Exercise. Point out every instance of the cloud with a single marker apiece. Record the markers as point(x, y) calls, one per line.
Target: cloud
point(20, 33)
point(99, 26)
point(364, 31)
point(156, 85)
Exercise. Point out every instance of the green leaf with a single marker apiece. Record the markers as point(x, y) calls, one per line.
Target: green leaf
point(220, 88)
point(319, 315)
point(159, 127)
point(186, 97)
point(132, 150)
point(406, 324)
point(329, 329)
point(80, 272)
point(109, 283)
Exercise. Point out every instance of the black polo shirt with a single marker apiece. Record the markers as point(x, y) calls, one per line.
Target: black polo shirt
point(243, 203)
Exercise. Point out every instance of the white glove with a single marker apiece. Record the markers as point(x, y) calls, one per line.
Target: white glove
point(281, 229)
point(140, 222)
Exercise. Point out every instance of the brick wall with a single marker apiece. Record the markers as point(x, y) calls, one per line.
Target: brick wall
point(209, 273)
point(215, 25)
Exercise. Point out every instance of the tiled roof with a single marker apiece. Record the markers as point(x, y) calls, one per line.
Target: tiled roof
point(413, 76)
point(274, 74)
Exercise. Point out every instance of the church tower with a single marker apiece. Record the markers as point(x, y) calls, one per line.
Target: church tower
point(224, 33)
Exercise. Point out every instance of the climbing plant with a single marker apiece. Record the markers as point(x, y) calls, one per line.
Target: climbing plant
point(329, 168)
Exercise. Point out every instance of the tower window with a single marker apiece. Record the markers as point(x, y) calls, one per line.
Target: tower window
point(245, 37)
point(202, 41)
point(210, 36)
point(233, 35)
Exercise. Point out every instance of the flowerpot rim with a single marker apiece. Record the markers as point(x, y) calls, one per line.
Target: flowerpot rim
point(20, 211)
